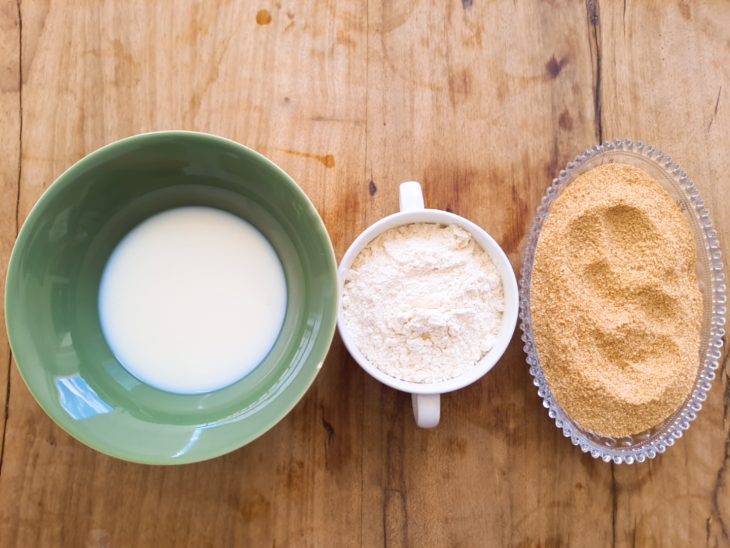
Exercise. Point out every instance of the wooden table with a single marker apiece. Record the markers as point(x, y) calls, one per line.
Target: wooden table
point(481, 101)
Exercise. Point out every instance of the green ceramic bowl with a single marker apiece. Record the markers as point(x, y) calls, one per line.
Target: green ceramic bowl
point(53, 280)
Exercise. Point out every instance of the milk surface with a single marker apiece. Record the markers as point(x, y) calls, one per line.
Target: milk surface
point(192, 300)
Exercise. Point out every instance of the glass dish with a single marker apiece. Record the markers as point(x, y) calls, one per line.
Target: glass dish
point(711, 278)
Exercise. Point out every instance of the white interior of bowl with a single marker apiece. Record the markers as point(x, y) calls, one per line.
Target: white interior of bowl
point(711, 278)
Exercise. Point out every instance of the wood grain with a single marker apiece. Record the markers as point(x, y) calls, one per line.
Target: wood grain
point(483, 102)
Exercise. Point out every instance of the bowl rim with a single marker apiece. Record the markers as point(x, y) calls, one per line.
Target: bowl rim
point(665, 436)
point(306, 375)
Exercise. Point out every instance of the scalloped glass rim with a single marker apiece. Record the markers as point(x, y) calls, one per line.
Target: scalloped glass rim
point(649, 444)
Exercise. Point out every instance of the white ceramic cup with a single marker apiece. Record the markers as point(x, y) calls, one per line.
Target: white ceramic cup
point(426, 397)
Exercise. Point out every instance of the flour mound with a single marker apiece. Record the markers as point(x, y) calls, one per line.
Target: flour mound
point(423, 302)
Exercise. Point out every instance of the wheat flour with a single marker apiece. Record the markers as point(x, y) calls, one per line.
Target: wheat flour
point(423, 302)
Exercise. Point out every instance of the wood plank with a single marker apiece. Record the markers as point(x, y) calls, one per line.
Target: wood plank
point(668, 87)
point(10, 109)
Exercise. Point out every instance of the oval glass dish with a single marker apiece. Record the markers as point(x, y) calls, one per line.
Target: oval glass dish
point(711, 278)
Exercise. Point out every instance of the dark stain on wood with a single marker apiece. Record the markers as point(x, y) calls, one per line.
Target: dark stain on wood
point(455, 446)
point(372, 189)
point(339, 119)
point(714, 112)
point(347, 205)
point(329, 430)
point(395, 508)
point(255, 506)
point(565, 121)
point(551, 168)
point(593, 12)
point(447, 182)
point(502, 89)
point(515, 229)
point(263, 17)
point(685, 10)
point(554, 67)
point(459, 86)
point(327, 160)
point(594, 19)
point(467, 4)
point(344, 39)
point(295, 476)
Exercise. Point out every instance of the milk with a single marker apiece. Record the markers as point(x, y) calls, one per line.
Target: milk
point(192, 300)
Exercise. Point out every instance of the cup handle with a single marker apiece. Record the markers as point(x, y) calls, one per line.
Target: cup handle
point(411, 196)
point(426, 409)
